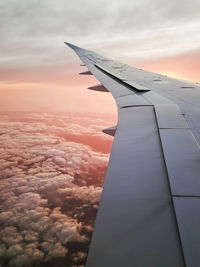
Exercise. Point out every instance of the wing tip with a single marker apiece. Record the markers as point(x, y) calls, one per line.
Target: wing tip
point(74, 47)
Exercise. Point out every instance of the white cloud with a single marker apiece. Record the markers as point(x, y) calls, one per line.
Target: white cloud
point(41, 175)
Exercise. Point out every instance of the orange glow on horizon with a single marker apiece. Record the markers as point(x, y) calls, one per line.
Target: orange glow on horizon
point(184, 66)
point(62, 89)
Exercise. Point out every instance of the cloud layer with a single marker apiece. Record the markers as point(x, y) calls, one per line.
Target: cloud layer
point(50, 188)
point(33, 30)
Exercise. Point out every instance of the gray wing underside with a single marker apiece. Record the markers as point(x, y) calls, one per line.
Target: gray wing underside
point(149, 211)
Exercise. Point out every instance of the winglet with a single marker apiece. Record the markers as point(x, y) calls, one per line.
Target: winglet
point(74, 47)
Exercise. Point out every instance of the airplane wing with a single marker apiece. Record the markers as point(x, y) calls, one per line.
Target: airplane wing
point(149, 214)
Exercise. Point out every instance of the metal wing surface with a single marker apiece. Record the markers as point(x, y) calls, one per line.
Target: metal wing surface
point(149, 214)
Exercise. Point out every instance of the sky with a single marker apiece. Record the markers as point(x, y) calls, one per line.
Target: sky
point(40, 73)
point(52, 163)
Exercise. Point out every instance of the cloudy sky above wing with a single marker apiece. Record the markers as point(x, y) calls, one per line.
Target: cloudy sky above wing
point(141, 33)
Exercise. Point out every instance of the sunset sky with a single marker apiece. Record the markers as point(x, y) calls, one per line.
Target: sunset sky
point(40, 73)
point(53, 152)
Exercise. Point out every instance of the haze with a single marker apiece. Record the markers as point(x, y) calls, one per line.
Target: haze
point(38, 72)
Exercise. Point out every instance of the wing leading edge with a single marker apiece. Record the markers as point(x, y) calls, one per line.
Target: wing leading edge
point(149, 209)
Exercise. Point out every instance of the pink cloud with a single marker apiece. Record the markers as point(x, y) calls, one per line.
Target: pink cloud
point(50, 187)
